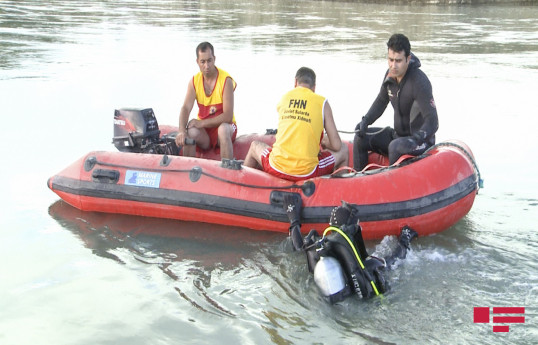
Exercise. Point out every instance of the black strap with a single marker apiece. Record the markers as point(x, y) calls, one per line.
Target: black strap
point(360, 243)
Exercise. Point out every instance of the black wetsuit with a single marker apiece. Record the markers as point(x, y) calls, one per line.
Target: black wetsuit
point(414, 111)
point(343, 241)
point(359, 280)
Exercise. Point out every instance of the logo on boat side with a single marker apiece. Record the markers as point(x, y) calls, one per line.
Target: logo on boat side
point(481, 315)
point(142, 179)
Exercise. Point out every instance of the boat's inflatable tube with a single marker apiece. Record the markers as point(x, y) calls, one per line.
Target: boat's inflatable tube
point(429, 193)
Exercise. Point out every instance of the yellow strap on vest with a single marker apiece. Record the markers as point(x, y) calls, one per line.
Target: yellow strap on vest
point(343, 234)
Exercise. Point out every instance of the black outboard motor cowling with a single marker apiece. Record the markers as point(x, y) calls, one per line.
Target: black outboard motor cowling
point(135, 129)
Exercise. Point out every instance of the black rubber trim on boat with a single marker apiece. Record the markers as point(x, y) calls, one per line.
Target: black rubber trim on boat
point(371, 212)
point(402, 209)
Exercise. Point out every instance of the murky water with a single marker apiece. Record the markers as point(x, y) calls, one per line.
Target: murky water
point(69, 277)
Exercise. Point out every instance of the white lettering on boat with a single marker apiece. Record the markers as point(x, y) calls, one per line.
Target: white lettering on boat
point(142, 178)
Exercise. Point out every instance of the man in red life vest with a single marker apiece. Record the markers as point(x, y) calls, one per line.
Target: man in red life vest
point(212, 89)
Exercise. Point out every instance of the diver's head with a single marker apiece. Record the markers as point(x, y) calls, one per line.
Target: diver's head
point(347, 214)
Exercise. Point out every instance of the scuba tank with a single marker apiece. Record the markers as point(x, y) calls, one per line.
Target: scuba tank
point(329, 277)
point(340, 262)
point(340, 254)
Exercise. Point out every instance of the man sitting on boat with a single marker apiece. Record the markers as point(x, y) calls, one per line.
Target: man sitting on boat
point(212, 88)
point(303, 117)
point(409, 91)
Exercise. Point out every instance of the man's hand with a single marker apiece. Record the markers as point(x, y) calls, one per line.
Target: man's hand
point(325, 141)
point(180, 138)
point(195, 123)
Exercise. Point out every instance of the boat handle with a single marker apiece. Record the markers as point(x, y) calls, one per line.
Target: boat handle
point(105, 176)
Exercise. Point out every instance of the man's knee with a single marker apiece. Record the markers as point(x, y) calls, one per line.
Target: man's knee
point(341, 157)
point(401, 146)
point(257, 147)
point(194, 133)
point(225, 131)
point(254, 154)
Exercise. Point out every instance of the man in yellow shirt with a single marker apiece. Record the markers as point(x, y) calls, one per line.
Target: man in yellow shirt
point(212, 88)
point(303, 117)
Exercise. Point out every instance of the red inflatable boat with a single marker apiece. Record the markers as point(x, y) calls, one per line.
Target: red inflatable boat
point(429, 193)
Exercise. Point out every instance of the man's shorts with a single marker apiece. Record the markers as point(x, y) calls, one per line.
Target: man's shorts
point(325, 166)
point(213, 134)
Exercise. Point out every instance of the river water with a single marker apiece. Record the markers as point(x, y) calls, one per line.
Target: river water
point(69, 277)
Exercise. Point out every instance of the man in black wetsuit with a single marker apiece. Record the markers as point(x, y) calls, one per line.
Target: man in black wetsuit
point(409, 91)
point(355, 271)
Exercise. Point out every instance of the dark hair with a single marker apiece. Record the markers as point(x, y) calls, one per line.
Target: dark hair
point(306, 76)
point(398, 43)
point(202, 47)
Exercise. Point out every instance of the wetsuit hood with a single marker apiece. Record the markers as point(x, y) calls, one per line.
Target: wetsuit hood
point(414, 63)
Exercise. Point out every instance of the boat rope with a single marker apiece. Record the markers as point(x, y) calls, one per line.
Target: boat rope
point(292, 186)
point(307, 186)
point(343, 234)
point(347, 132)
point(480, 182)
point(357, 131)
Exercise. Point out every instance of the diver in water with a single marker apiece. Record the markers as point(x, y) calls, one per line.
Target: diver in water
point(338, 259)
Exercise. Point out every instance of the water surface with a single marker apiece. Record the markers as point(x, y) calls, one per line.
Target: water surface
point(71, 277)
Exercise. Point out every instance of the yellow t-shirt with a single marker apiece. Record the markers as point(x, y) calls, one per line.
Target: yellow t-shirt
point(211, 105)
point(300, 130)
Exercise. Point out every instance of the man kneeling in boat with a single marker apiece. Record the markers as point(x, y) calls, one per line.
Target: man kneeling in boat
point(296, 154)
point(212, 88)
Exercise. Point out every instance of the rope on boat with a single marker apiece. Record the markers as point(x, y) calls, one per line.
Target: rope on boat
point(347, 132)
point(357, 131)
point(307, 186)
point(292, 186)
point(480, 181)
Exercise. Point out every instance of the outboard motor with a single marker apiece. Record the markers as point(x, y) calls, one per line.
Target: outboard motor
point(137, 130)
